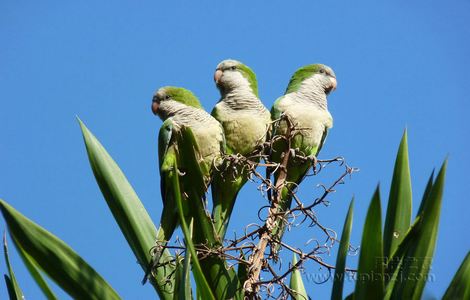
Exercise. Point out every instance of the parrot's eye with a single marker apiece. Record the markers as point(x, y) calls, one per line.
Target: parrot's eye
point(167, 97)
point(322, 71)
point(233, 68)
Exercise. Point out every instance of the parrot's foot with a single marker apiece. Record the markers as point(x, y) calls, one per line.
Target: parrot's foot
point(293, 153)
point(235, 165)
point(178, 171)
point(260, 148)
point(313, 159)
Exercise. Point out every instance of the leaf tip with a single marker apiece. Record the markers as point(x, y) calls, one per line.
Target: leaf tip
point(80, 122)
point(351, 206)
point(444, 164)
point(377, 190)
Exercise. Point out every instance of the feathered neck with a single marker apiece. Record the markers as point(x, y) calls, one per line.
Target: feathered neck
point(242, 98)
point(181, 112)
point(312, 91)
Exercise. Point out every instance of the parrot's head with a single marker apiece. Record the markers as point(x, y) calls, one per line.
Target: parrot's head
point(231, 74)
point(316, 76)
point(169, 98)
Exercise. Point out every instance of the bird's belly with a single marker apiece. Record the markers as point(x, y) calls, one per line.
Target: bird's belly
point(244, 133)
point(309, 127)
point(209, 142)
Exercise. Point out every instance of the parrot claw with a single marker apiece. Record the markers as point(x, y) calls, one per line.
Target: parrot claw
point(313, 159)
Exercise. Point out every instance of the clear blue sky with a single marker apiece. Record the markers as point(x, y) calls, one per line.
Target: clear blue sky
point(398, 65)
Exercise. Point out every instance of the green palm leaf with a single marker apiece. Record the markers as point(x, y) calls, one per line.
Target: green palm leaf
point(202, 286)
point(338, 279)
point(459, 288)
point(185, 288)
point(296, 282)
point(413, 256)
point(369, 284)
point(14, 290)
point(398, 219)
point(56, 258)
point(128, 210)
point(183, 279)
point(35, 272)
point(222, 281)
point(242, 274)
point(195, 186)
point(427, 192)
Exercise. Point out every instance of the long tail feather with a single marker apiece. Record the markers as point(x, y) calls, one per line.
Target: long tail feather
point(224, 194)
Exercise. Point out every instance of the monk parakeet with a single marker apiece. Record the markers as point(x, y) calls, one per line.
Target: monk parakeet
point(305, 104)
point(178, 108)
point(245, 121)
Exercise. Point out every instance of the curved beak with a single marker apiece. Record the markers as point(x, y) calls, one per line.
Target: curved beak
point(334, 83)
point(155, 106)
point(332, 86)
point(217, 75)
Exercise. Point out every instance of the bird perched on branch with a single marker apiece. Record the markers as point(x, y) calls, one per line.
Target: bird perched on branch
point(178, 108)
point(305, 106)
point(246, 122)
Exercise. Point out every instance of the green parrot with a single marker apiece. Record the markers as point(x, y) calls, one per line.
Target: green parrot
point(305, 104)
point(245, 121)
point(178, 107)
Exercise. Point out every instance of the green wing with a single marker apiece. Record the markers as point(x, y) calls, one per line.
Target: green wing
point(223, 143)
point(167, 157)
point(168, 218)
point(275, 111)
point(322, 141)
point(280, 145)
point(164, 141)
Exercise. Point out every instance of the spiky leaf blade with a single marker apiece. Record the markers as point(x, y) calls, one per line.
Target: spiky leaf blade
point(202, 286)
point(223, 281)
point(184, 290)
point(417, 249)
point(398, 219)
point(194, 185)
point(370, 284)
point(127, 209)
point(427, 192)
point(186, 284)
point(14, 290)
point(242, 274)
point(459, 288)
point(296, 282)
point(35, 272)
point(338, 279)
point(391, 281)
point(56, 258)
